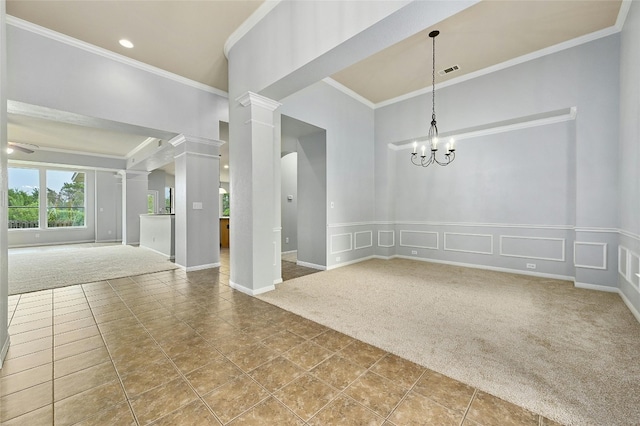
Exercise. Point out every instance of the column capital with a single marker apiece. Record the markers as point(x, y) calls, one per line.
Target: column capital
point(250, 98)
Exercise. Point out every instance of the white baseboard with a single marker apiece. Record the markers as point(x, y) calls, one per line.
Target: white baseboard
point(250, 291)
point(5, 349)
point(198, 267)
point(311, 265)
point(627, 302)
point(159, 252)
point(58, 243)
point(289, 252)
point(351, 262)
point(490, 268)
point(597, 287)
point(277, 281)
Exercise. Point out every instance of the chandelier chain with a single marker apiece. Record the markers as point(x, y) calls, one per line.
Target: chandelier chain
point(433, 81)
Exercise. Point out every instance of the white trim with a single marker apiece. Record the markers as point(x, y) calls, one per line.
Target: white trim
point(393, 235)
point(288, 252)
point(344, 89)
point(444, 245)
point(181, 138)
point(562, 259)
point(311, 265)
point(172, 258)
point(627, 302)
point(199, 267)
point(138, 148)
point(629, 234)
point(62, 38)
point(46, 244)
point(277, 281)
point(350, 262)
point(61, 166)
point(518, 123)
point(249, 291)
point(5, 349)
point(598, 230)
point(420, 232)
point(622, 14)
point(250, 98)
point(83, 153)
point(262, 11)
point(262, 123)
point(625, 273)
point(355, 239)
point(507, 64)
point(344, 225)
point(604, 255)
point(340, 235)
point(597, 287)
point(490, 268)
point(481, 225)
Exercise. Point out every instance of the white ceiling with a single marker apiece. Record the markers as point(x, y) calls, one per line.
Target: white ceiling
point(187, 38)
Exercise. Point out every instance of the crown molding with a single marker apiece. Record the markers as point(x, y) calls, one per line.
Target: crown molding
point(62, 38)
point(180, 139)
point(138, 148)
point(622, 14)
point(512, 62)
point(344, 89)
point(262, 11)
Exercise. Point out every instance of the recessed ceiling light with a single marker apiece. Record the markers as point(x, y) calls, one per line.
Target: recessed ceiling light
point(126, 43)
point(226, 166)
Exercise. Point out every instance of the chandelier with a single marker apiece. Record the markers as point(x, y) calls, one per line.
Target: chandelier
point(423, 159)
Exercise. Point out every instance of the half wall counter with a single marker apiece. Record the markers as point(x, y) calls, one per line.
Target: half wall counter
point(157, 233)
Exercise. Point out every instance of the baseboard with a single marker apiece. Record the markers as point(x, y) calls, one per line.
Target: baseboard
point(351, 262)
point(491, 268)
point(159, 252)
point(597, 287)
point(250, 291)
point(311, 265)
point(289, 252)
point(108, 241)
point(5, 349)
point(277, 281)
point(59, 243)
point(199, 267)
point(627, 302)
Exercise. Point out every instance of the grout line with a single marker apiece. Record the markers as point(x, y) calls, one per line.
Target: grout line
point(464, 416)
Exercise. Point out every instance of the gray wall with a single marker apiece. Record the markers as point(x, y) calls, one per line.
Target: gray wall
point(289, 208)
point(312, 199)
point(350, 168)
point(531, 185)
point(108, 190)
point(629, 159)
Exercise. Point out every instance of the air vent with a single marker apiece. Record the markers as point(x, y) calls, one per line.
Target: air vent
point(449, 70)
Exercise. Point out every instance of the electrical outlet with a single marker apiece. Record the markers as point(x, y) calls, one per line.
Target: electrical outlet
point(109, 232)
point(286, 240)
point(332, 205)
point(338, 259)
point(414, 251)
point(37, 235)
point(531, 266)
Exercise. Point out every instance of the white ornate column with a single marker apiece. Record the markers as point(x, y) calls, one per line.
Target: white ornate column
point(4, 283)
point(255, 208)
point(197, 222)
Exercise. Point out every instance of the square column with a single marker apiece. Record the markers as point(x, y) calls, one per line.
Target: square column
point(254, 152)
point(197, 228)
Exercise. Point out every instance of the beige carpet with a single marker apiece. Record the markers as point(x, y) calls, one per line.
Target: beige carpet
point(33, 270)
point(569, 354)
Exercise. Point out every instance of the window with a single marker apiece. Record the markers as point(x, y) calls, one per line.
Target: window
point(225, 205)
point(65, 198)
point(24, 198)
point(151, 201)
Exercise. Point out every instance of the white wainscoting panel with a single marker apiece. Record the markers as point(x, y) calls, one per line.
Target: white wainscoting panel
point(634, 269)
point(363, 239)
point(590, 255)
point(341, 243)
point(623, 262)
point(541, 248)
point(468, 243)
point(419, 239)
point(384, 240)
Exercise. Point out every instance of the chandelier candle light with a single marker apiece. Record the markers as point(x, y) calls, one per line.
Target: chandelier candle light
point(432, 138)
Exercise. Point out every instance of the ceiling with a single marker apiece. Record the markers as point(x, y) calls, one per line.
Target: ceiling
point(187, 38)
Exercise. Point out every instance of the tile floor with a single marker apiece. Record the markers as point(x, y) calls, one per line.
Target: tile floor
point(174, 348)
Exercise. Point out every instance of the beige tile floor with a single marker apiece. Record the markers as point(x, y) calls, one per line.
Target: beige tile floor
point(174, 348)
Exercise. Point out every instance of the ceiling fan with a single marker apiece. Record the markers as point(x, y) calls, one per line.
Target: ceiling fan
point(25, 147)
